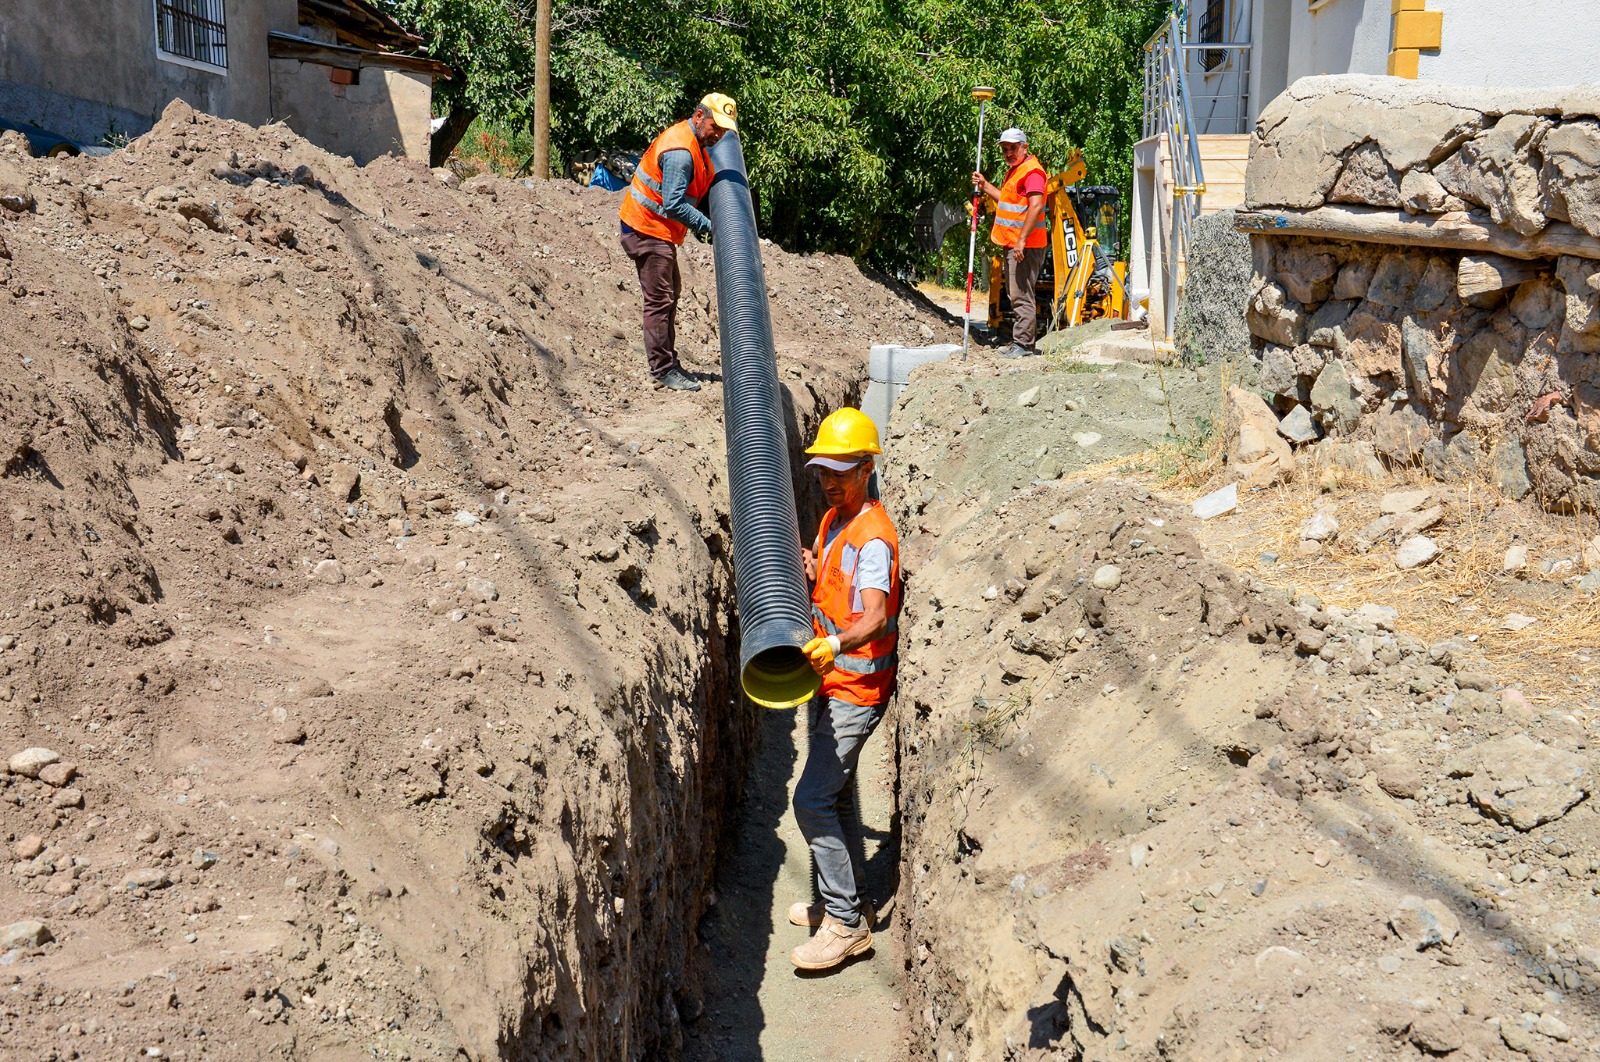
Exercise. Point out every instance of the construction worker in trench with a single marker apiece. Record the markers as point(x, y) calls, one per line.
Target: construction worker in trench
point(1019, 228)
point(854, 569)
point(659, 209)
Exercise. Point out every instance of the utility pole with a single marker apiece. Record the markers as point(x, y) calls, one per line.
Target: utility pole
point(541, 89)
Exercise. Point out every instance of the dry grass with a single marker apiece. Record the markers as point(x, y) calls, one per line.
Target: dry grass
point(1463, 595)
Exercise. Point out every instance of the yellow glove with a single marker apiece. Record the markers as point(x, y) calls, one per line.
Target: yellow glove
point(820, 652)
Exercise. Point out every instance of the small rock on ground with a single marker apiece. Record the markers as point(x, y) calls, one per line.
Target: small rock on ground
point(29, 762)
point(1415, 552)
point(1107, 577)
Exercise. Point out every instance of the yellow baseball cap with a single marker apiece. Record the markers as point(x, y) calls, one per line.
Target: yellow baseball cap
point(722, 109)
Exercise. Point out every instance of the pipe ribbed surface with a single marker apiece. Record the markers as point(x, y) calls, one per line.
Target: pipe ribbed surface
point(769, 577)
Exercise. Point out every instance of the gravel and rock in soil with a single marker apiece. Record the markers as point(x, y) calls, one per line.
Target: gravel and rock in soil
point(364, 652)
point(1155, 808)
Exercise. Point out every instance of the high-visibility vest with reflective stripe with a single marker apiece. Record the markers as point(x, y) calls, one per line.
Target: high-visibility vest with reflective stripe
point(643, 198)
point(864, 676)
point(1012, 207)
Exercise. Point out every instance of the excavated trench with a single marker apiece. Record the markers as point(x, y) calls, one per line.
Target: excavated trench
point(410, 728)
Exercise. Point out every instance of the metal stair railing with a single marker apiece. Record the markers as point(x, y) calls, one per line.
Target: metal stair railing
point(1167, 114)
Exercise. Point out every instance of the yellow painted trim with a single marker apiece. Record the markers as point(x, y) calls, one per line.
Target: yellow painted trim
point(1403, 63)
point(1418, 29)
point(1397, 6)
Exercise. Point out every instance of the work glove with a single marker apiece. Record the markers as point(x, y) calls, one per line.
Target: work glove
point(820, 653)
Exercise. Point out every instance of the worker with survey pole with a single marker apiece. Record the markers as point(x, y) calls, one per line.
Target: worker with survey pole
point(1019, 228)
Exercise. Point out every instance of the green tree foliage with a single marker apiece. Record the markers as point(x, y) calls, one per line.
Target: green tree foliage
point(852, 112)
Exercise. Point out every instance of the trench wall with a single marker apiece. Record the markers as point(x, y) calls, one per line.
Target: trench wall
point(1426, 275)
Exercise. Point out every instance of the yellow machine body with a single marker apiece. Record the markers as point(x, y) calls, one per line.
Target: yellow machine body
point(1072, 291)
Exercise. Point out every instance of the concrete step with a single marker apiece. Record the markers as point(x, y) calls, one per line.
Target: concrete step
point(1225, 146)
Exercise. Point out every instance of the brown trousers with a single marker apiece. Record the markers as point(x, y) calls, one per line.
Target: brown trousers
point(657, 262)
point(1022, 272)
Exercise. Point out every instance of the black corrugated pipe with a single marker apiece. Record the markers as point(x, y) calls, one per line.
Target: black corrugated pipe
point(769, 578)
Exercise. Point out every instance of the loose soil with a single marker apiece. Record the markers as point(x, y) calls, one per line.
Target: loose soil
point(1156, 808)
point(379, 612)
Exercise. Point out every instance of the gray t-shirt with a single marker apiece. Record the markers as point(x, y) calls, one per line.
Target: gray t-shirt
point(872, 566)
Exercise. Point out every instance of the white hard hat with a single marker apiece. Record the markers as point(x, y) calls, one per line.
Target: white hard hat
point(1013, 136)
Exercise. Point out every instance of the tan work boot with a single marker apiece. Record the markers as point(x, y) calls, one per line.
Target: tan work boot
point(833, 943)
point(810, 914)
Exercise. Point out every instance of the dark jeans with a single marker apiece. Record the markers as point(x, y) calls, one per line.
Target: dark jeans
point(1022, 272)
point(657, 262)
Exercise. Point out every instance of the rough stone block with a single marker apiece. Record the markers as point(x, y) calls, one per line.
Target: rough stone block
point(1355, 277)
point(1298, 426)
point(1459, 459)
point(1395, 277)
point(1329, 316)
point(1366, 178)
point(1509, 466)
point(1437, 286)
point(1538, 304)
point(1424, 923)
point(1271, 316)
point(1421, 193)
point(1571, 173)
point(1520, 781)
point(1306, 273)
point(1400, 434)
point(1334, 400)
point(1256, 452)
point(1417, 346)
point(1278, 373)
point(1580, 277)
point(1373, 346)
point(1404, 502)
point(1487, 370)
point(1494, 170)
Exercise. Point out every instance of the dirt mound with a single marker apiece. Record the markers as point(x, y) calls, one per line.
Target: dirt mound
point(1157, 810)
point(990, 427)
point(372, 614)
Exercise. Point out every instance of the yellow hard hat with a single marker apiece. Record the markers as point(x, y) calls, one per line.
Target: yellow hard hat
point(722, 109)
point(846, 431)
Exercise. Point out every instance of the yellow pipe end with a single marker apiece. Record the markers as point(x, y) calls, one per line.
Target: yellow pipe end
point(781, 677)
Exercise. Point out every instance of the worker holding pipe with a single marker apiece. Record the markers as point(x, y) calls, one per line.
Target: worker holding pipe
point(854, 568)
point(660, 207)
point(1019, 228)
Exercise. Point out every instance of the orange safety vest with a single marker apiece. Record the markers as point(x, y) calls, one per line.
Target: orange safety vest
point(1013, 207)
point(864, 676)
point(640, 205)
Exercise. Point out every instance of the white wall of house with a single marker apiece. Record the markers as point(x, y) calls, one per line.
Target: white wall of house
point(1532, 44)
point(1338, 37)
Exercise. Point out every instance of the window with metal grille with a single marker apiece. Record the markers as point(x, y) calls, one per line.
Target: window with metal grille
point(193, 30)
point(1213, 26)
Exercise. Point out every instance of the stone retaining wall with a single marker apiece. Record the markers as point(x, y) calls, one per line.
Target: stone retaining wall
point(1427, 276)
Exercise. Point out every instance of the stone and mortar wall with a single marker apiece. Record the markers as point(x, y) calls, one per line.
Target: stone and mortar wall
point(1364, 196)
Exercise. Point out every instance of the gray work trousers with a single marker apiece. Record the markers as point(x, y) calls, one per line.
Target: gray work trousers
point(1022, 272)
point(838, 730)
